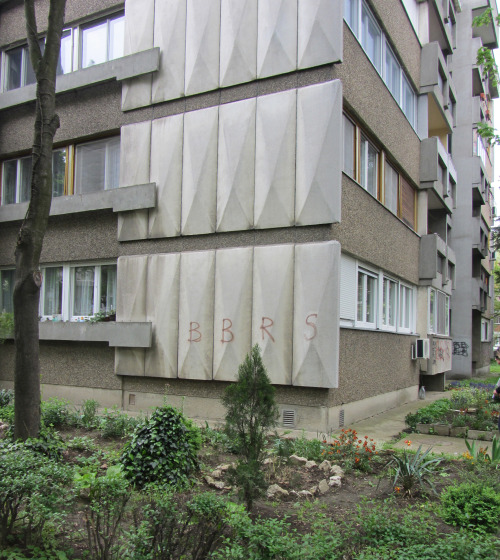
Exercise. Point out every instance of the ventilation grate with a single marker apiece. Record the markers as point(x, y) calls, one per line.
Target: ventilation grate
point(289, 418)
point(341, 418)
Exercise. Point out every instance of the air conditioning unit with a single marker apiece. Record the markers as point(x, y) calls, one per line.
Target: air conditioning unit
point(421, 349)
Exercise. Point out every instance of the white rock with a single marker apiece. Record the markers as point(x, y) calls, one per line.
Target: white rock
point(217, 473)
point(336, 471)
point(268, 461)
point(214, 483)
point(305, 494)
point(325, 466)
point(313, 490)
point(335, 481)
point(224, 468)
point(275, 491)
point(310, 465)
point(323, 487)
point(296, 460)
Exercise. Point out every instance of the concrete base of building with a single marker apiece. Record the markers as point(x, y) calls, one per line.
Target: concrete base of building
point(319, 419)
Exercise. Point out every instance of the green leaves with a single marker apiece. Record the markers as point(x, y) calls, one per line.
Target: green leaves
point(163, 448)
point(413, 470)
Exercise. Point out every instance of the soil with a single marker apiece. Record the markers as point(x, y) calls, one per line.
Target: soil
point(339, 503)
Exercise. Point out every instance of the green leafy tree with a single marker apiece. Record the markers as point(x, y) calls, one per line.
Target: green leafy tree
point(251, 411)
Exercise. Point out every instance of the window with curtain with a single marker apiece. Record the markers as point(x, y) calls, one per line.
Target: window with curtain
point(349, 147)
point(389, 303)
point(51, 299)
point(369, 166)
point(391, 187)
point(83, 291)
point(367, 292)
point(97, 166)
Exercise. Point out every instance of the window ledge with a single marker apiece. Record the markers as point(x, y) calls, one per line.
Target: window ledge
point(130, 66)
point(121, 199)
point(128, 335)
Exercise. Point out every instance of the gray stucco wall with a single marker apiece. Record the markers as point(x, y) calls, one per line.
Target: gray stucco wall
point(368, 231)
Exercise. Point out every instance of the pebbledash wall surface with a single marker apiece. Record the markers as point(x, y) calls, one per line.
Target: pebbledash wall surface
point(232, 214)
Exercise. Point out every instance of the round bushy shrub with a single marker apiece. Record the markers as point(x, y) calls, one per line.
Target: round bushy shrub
point(471, 505)
point(163, 449)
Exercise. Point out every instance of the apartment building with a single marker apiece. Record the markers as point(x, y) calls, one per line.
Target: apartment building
point(229, 173)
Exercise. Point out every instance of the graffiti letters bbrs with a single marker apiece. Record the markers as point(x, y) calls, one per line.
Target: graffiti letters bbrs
point(227, 334)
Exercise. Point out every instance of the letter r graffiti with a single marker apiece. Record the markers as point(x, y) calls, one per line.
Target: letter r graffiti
point(264, 326)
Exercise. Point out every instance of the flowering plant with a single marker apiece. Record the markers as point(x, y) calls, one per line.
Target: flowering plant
point(352, 450)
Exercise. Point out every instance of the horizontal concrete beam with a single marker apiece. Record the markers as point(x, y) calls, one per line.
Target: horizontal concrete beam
point(122, 199)
point(123, 335)
point(119, 69)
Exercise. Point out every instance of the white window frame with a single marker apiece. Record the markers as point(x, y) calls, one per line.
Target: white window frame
point(68, 292)
point(439, 299)
point(385, 285)
point(84, 27)
point(356, 8)
point(409, 293)
point(365, 146)
point(18, 176)
point(485, 330)
point(74, 54)
point(366, 273)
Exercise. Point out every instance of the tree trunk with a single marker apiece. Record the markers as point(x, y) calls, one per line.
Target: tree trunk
point(32, 232)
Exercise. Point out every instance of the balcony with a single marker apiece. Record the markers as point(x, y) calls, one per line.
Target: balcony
point(441, 24)
point(480, 234)
point(479, 295)
point(435, 260)
point(435, 80)
point(487, 33)
point(482, 150)
point(437, 174)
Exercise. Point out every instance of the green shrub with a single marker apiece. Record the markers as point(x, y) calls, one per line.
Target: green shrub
point(251, 412)
point(428, 414)
point(311, 449)
point(89, 417)
point(163, 448)
point(7, 413)
point(30, 492)
point(6, 325)
point(473, 506)
point(107, 499)
point(114, 423)
point(6, 397)
point(55, 412)
point(168, 526)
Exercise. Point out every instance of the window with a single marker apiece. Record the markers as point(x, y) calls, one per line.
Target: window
point(81, 47)
point(381, 302)
point(367, 298)
point(7, 278)
point(102, 41)
point(408, 101)
point(406, 306)
point(349, 147)
point(391, 188)
point(371, 37)
point(363, 24)
point(97, 166)
point(408, 203)
point(369, 166)
point(76, 293)
point(389, 303)
point(439, 312)
point(16, 179)
point(392, 74)
point(19, 71)
point(362, 162)
point(351, 14)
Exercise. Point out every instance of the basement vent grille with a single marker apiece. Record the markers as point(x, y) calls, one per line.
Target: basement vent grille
point(289, 418)
point(341, 418)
